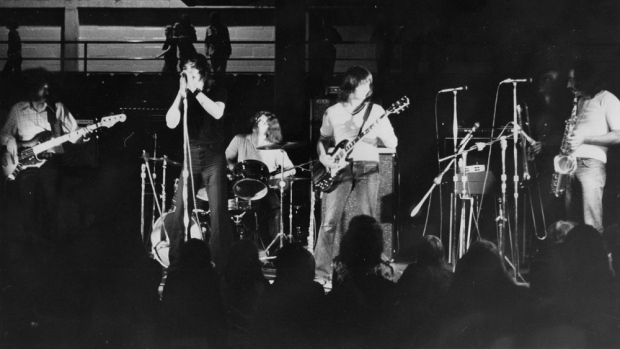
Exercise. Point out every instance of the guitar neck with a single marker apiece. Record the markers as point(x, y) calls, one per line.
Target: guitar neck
point(349, 147)
point(39, 148)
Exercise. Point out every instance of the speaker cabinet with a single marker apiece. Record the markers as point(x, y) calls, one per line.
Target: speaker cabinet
point(387, 205)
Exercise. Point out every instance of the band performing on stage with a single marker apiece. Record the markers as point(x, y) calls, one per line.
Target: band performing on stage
point(260, 196)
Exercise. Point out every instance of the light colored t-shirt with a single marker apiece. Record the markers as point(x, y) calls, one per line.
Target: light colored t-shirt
point(340, 124)
point(599, 115)
point(242, 147)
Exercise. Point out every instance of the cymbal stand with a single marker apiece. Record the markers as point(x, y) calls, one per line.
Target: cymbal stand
point(163, 184)
point(155, 199)
point(312, 221)
point(281, 236)
point(501, 219)
point(143, 176)
point(290, 211)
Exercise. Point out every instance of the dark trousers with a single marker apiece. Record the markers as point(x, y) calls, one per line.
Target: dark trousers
point(37, 200)
point(13, 65)
point(209, 171)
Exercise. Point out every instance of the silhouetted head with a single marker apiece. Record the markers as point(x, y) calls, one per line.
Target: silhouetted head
point(194, 254)
point(294, 263)
point(429, 251)
point(362, 244)
point(556, 232)
point(12, 24)
point(216, 19)
point(243, 267)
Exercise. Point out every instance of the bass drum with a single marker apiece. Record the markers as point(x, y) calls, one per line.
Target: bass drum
point(160, 236)
point(250, 180)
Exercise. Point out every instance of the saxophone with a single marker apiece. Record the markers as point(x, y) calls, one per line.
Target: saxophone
point(565, 163)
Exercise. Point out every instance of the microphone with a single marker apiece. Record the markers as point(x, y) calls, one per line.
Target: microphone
point(516, 80)
point(462, 88)
point(468, 136)
point(529, 139)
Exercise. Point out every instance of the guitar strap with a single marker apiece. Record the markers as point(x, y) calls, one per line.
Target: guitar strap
point(365, 117)
point(54, 122)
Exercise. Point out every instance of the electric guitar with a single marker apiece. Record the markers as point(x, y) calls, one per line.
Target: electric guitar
point(322, 177)
point(29, 151)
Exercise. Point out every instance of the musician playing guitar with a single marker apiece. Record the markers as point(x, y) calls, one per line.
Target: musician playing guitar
point(360, 175)
point(37, 186)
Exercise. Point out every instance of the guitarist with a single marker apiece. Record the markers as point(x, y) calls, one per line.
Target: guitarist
point(344, 121)
point(37, 187)
point(597, 128)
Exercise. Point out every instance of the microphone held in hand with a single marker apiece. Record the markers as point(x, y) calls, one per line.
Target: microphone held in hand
point(462, 88)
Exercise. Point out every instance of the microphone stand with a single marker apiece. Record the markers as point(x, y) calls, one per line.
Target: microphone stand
point(185, 170)
point(515, 134)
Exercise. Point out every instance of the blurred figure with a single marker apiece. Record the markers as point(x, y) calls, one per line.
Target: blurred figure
point(185, 33)
point(14, 53)
point(421, 294)
point(288, 313)
point(355, 308)
point(242, 287)
point(191, 303)
point(170, 52)
point(323, 39)
point(217, 44)
point(543, 119)
point(485, 303)
point(548, 278)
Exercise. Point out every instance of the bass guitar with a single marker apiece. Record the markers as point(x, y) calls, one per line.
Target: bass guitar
point(31, 153)
point(322, 177)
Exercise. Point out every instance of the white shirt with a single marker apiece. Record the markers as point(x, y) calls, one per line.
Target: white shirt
point(340, 124)
point(243, 147)
point(598, 115)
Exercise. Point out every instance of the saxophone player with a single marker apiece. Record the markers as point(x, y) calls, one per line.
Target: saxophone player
point(596, 127)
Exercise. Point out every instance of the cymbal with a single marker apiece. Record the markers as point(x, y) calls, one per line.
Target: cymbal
point(286, 145)
point(288, 178)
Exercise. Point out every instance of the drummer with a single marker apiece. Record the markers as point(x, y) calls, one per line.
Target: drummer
point(265, 132)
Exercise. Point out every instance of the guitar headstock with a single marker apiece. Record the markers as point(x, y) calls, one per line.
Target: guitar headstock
point(109, 121)
point(399, 105)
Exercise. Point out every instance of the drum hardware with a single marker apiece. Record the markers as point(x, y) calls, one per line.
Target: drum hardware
point(279, 146)
point(250, 178)
point(281, 236)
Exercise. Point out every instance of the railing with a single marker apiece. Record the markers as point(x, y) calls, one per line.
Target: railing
point(89, 52)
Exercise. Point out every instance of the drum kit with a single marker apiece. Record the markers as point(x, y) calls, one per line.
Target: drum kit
point(249, 181)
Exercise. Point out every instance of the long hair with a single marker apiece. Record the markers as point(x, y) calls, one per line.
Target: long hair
point(429, 251)
point(201, 63)
point(243, 268)
point(588, 78)
point(354, 77)
point(274, 132)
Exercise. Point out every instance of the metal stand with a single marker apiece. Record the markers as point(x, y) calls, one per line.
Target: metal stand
point(281, 236)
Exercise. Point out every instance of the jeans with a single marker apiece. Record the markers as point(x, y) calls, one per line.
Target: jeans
point(361, 178)
point(586, 183)
point(209, 169)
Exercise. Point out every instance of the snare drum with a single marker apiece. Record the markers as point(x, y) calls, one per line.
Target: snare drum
point(250, 180)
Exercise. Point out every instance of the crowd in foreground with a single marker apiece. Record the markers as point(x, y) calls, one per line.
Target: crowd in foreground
point(102, 291)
